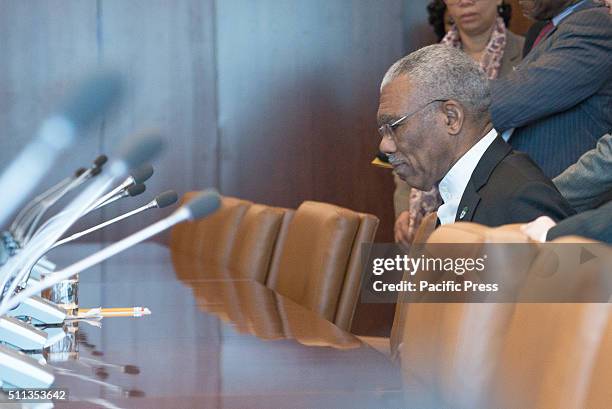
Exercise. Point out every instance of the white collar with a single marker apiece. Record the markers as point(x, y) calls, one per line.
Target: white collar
point(456, 179)
point(561, 16)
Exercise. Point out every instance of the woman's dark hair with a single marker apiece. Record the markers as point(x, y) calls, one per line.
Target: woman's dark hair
point(505, 12)
point(436, 9)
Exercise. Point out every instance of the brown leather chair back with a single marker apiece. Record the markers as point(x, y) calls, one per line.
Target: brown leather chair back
point(352, 281)
point(427, 226)
point(210, 239)
point(548, 355)
point(555, 354)
point(256, 237)
point(313, 260)
point(599, 394)
point(509, 355)
point(448, 350)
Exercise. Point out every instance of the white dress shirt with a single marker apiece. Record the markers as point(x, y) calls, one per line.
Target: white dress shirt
point(456, 179)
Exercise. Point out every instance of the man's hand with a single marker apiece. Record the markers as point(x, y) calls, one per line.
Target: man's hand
point(404, 231)
point(538, 229)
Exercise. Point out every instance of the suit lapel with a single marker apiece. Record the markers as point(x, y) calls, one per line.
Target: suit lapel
point(468, 204)
point(494, 154)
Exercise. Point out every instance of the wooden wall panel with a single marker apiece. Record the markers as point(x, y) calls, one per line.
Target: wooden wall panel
point(519, 23)
point(298, 93)
point(166, 50)
point(270, 100)
point(45, 47)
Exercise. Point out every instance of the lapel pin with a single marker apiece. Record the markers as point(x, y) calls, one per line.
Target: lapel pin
point(463, 213)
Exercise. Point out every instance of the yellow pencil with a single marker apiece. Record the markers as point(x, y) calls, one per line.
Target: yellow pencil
point(117, 312)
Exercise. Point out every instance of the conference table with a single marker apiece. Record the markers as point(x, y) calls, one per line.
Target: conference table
point(211, 341)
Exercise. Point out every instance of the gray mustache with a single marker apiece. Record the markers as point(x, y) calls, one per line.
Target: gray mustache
point(394, 160)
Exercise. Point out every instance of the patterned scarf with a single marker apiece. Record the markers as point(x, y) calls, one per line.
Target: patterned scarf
point(491, 59)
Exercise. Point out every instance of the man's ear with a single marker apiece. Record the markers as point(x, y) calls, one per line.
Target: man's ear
point(454, 117)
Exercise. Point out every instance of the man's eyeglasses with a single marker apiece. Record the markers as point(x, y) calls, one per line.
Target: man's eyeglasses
point(453, 2)
point(386, 130)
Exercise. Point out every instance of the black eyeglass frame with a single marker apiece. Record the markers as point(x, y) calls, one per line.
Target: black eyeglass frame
point(388, 129)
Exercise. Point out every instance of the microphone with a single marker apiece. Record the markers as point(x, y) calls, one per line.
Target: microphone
point(93, 98)
point(26, 212)
point(137, 176)
point(131, 191)
point(164, 199)
point(100, 161)
point(204, 204)
point(141, 174)
point(136, 190)
point(126, 188)
point(27, 220)
point(132, 154)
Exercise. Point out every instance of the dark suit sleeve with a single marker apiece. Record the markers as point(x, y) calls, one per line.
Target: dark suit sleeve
point(537, 199)
point(593, 224)
point(577, 65)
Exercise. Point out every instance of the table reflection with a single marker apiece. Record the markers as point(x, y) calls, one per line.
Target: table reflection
point(211, 341)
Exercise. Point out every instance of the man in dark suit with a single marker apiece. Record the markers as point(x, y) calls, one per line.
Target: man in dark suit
point(556, 104)
point(435, 129)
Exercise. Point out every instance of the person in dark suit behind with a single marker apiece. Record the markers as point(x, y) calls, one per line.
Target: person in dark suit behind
point(586, 184)
point(556, 104)
point(436, 130)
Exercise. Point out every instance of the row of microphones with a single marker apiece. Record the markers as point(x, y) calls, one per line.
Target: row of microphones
point(134, 154)
point(132, 186)
point(35, 231)
point(202, 205)
point(92, 100)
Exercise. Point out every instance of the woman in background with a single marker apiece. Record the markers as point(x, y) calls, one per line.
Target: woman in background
point(478, 27)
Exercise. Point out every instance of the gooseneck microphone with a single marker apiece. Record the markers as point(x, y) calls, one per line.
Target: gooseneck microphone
point(164, 199)
point(204, 204)
point(132, 154)
point(131, 191)
point(137, 176)
point(93, 99)
point(132, 186)
point(34, 210)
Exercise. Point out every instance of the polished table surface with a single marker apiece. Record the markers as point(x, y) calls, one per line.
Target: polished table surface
point(211, 342)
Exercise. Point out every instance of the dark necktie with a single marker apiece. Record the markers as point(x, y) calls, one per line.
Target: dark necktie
point(543, 33)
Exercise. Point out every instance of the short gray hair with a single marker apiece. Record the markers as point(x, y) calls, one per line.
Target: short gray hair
point(444, 72)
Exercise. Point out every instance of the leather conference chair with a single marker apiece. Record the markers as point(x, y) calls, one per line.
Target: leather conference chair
point(448, 350)
point(210, 240)
point(427, 226)
point(257, 234)
point(383, 344)
point(558, 354)
point(599, 393)
point(512, 355)
point(317, 261)
point(548, 355)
